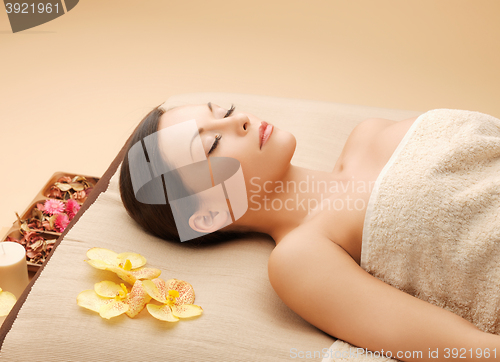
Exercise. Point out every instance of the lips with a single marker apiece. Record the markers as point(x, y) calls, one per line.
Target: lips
point(265, 131)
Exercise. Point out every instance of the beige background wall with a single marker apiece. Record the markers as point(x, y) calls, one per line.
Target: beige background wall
point(72, 90)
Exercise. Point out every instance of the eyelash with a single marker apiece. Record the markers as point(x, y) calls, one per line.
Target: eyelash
point(218, 137)
point(216, 142)
point(230, 111)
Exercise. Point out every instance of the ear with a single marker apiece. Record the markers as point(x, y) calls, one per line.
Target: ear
point(208, 221)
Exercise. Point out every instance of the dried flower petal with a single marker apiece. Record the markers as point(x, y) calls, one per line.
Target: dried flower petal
point(79, 195)
point(77, 186)
point(78, 179)
point(61, 222)
point(37, 244)
point(52, 206)
point(24, 227)
point(54, 193)
point(66, 179)
point(37, 248)
point(63, 186)
point(32, 254)
point(72, 208)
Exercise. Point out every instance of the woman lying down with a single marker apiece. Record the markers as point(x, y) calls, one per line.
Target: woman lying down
point(410, 216)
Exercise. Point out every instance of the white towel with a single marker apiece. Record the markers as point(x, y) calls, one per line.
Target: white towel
point(432, 227)
point(433, 224)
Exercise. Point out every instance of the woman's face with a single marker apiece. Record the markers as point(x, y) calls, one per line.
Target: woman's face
point(230, 133)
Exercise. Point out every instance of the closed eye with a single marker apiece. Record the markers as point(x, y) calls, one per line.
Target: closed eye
point(230, 111)
point(218, 137)
point(216, 142)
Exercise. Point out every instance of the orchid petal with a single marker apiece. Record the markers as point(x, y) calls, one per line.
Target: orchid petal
point(113, 309)
point(137, 299)
point(156, 288)
point(109, 289)
point(186, 310)
point(7, 301)
point(91, 300)
point(146, 273)
point(98, 264)
point(122, 274)
point(137, 260)
point(186, 291)
point(128, 276)
point(161, 312)
point(106, 255)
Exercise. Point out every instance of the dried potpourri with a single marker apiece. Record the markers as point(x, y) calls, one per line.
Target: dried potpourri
point(51, 216)
point(65, 188)
point(37, 247)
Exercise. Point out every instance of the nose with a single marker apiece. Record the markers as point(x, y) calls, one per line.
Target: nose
point(241, 123)
point(238, 123)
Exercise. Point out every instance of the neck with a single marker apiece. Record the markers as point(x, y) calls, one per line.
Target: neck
point(278, 207)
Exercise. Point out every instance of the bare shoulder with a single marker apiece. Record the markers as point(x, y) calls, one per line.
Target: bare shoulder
point(375, 139)
point(367, 130)
point(319, 281)
point(375, 123)
point(371, 126)
point(311, 273)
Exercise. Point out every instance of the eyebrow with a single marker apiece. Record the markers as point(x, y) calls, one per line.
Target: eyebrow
point(200, 131)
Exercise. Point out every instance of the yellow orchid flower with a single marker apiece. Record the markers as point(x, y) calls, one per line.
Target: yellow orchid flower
point(7, 301)
point(126, 265)
point(111, 300)
point(177, 297)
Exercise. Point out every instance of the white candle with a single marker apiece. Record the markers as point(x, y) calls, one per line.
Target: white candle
point(13, 268)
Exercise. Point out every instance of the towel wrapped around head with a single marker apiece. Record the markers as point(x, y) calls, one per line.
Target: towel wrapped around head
point(432, 228)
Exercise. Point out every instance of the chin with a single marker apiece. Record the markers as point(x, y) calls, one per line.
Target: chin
point(279, 154)
point(284, 143)
point(273, 160)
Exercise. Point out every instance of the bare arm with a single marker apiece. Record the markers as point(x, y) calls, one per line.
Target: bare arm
point(321, 282)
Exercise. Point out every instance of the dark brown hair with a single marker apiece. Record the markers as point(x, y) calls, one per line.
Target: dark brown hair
point(158, 219)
